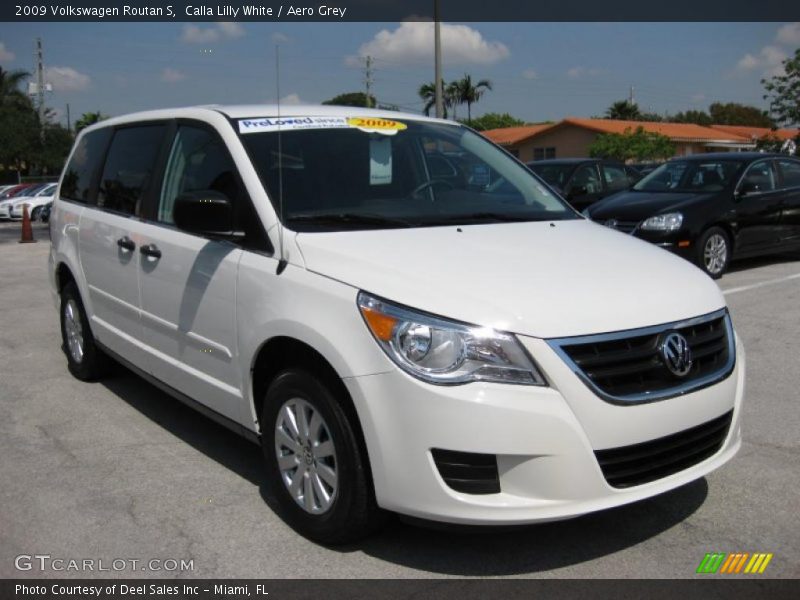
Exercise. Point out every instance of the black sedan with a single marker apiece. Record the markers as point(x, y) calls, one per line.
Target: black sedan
point(712, 208)
point(583, 181)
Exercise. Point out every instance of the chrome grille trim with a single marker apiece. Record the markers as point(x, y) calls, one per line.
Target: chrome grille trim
point(680, 388)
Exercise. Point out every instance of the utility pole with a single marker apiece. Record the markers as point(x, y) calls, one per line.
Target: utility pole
point(437, 51)
point(69, 123)
point(631, 99)
point(368, 81)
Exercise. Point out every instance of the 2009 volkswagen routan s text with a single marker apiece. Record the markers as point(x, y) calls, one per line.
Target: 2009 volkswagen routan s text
point(403, 315)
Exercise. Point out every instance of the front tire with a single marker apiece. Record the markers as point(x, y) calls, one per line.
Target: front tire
point(85, 360)
point(316, 469)
point(714, 252)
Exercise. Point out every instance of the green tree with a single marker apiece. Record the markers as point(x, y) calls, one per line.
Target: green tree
point(638, 145)
point(352, 99)
point(651, 117)
point(733, 113)
point(698, 117)
point(495, 121)
point(19, 136)
point(10, 82)
point(89, 118)
point(622, 110)
point(427, 91)
point(467, 92)
point(50, 157)
point(783, 93)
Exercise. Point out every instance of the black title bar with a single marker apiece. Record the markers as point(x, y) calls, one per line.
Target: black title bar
point(401, 10)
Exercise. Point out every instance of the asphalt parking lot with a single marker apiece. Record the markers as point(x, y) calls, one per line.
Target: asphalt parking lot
point(118, 470)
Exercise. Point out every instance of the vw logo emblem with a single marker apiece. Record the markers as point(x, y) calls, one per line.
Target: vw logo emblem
point(676, 354)
point(612, 223)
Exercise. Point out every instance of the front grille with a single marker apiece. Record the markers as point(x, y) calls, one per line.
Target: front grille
point(623, 226)
point(648, 461)
point(468, 472)
point(630, 366)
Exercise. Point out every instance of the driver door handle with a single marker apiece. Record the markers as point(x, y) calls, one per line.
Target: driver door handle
point(150, 250)
point(126, 243)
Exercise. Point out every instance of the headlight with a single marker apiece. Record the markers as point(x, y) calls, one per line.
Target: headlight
point(441, 351)
point(667, 222)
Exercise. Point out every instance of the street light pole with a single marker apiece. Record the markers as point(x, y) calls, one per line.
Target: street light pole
point(437, 50)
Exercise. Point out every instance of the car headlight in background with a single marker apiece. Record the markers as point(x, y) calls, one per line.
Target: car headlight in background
point(666, 222)
point(440, 351)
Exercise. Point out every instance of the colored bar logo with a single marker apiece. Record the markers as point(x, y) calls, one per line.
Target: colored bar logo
point(734, 563)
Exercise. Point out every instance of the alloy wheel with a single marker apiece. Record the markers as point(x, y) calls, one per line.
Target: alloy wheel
point(715, 254)
point(306, 456)
point(73, 330)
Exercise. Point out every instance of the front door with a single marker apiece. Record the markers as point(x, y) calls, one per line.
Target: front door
point(188, 282)
point(758, 209)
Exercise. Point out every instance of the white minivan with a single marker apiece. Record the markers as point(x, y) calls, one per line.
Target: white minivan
point(400, 313)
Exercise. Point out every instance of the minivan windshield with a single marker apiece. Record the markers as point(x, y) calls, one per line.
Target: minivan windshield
point(336, 173)
point(691, 176)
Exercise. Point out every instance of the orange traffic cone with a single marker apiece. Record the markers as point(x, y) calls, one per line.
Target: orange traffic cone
point(27, 230)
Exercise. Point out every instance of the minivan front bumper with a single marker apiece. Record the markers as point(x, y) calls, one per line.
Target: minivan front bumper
point(544, 440)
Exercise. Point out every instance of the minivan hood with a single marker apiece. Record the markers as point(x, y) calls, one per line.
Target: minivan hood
point(636, 206)
point(543, 279)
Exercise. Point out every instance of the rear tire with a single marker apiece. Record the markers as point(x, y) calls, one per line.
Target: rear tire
point(714, 252)
point(317, 471)
point(85, 360)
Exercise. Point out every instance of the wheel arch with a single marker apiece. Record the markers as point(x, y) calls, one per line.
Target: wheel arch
point(282, 352)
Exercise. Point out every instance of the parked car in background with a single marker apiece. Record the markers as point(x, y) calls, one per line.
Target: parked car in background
point(15, 190)
point(42, 196)
point(44, 215)
point(11, 195)
point(712, 208)
point(36, 213)
point(438, 336)
point(583, 181)
point(645, 168)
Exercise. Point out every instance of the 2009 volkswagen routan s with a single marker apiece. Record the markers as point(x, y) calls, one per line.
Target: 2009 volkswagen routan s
point(401, 314)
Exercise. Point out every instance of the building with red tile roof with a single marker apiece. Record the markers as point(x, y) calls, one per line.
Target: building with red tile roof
point(572, 137)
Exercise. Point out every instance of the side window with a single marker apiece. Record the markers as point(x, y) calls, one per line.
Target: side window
point(615, 176)
point(198, 161)
point(790, 170)
point(129, 167)
point(759, 178)
point(83, 166)
point(586, 177)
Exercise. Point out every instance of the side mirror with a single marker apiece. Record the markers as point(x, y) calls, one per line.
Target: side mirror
point(205, 212)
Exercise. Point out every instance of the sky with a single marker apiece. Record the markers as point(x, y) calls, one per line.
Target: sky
point(538, 71)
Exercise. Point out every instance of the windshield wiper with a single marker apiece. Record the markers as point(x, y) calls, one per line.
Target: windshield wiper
point(349, 219)
point(496, 217)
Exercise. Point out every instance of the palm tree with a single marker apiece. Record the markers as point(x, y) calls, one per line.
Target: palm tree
point(469, 93)
point(623, 110)
point(9, 87)
point(452, 96)
point(89, 118)
point(427, 91)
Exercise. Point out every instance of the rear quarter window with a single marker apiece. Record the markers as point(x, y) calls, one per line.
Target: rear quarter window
point(83, 166)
